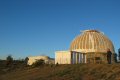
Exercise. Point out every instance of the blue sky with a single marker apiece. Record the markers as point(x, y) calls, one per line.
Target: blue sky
point(40, 27)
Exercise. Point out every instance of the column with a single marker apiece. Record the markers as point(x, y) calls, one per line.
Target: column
point(71, 57)
point(74, 57)
point(85, 59)
point(79, 58)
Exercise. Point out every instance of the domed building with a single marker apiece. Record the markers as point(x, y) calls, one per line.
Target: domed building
point(89, 47)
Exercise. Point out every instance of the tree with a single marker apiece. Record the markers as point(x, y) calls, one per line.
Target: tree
point(9, 60)
point(26, 60)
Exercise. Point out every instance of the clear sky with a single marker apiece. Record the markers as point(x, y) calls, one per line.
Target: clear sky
point(40, 27)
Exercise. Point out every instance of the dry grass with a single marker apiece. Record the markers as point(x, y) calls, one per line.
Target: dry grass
point(66, 72)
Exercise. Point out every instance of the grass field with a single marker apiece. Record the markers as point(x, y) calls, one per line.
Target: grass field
point(65, 72)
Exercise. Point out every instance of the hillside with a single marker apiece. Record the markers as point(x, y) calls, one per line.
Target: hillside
point(66, 72)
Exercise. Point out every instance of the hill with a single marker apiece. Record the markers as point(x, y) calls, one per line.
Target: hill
point(65, 72)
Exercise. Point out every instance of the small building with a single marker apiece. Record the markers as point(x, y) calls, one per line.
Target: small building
point(69, 57)
point(88, 47)
point(46, 59)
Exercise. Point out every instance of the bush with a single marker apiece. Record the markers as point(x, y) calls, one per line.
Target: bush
point(38, 63)
point(26, 60)
point(9, 60)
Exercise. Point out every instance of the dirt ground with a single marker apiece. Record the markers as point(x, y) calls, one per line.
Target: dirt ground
point(65, 72)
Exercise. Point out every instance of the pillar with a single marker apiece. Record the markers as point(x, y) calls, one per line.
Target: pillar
point(74, 58)
point(82, 59)
point(71, 57)
point(85, 59)
point(79, 58)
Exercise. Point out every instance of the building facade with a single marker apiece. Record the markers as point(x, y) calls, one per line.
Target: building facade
point(88, 47)
point(46, 59)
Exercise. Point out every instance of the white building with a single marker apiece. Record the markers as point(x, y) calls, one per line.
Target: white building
point(35, 58)
point(69, 57)
point(89, 47)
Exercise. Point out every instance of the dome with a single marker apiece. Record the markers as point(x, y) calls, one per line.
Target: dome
point(91, 41)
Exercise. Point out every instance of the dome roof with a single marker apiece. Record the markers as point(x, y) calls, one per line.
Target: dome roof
point(91, 41)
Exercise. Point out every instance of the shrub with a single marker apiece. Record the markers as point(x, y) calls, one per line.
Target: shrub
point(9, 60)
point(38, 63)
point(26, 60)
point(63, 72)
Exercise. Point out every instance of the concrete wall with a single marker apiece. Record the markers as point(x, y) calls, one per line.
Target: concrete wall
point(63, 57)
point(35, 58)
point(69, 57)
